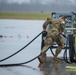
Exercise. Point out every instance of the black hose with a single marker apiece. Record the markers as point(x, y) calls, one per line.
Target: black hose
point(1, 65)
point(20, 49)
point(54, 54)
point(16, 64)
point(65, 53)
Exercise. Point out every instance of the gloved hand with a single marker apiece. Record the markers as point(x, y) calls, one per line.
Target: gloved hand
point(44, 30)
point(63, 34)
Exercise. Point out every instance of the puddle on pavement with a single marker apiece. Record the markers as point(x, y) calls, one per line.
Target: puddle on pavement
point(50, 67)
point(21, 31)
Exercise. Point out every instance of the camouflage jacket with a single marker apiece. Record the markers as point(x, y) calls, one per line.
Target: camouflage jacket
point(54, 24)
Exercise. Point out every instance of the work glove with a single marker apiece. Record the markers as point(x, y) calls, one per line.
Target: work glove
point(63, 34)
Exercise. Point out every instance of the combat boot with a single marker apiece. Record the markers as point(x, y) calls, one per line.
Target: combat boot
point(55, 58)
point(42, 58)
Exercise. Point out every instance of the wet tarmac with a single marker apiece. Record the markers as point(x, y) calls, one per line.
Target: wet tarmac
point(50, 67)
point(17, 34)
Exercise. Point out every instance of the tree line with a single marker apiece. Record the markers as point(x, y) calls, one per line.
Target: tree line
point(35, 7)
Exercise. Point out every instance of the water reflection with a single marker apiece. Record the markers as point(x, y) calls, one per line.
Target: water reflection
point(49, 69)
point(26, 66)
point(14, 34)
point(53, 68)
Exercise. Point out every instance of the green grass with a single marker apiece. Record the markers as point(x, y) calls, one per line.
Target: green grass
point(19, 15)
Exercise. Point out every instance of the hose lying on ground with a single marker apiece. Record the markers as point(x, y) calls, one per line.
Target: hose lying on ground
point(20, 49)
point(16, 64)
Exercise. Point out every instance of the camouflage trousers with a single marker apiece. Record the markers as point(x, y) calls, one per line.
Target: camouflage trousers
point(49, 39)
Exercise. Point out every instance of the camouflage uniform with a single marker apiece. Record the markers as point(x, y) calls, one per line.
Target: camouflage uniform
point(56, 27)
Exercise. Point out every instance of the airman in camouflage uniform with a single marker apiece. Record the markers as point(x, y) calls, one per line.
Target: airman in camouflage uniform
point(56, 27)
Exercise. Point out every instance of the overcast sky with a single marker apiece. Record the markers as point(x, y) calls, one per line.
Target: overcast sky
point(44, 1)
point(19, 1)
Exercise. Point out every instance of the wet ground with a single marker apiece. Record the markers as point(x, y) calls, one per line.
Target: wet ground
point(15, 35)
point(50, 67)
